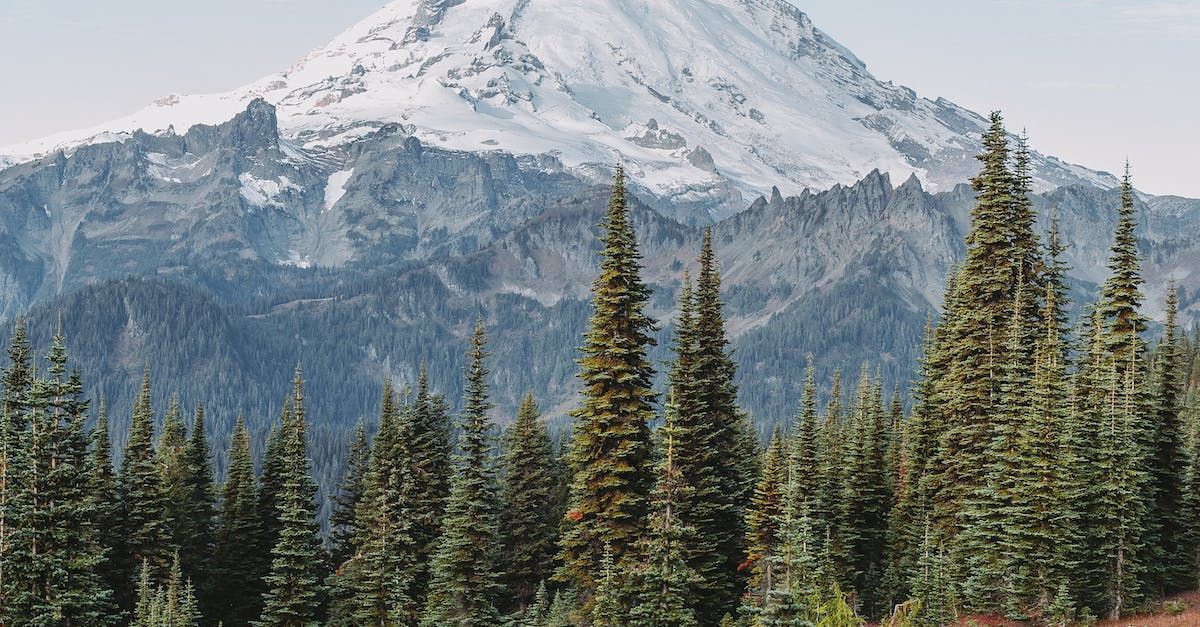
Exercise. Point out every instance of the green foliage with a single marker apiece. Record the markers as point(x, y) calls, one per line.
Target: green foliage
point(174, 605)
point(143, 501)
point(236, 574)
point(528, 516)
point(610, 454)
point(464, 578)
point(293, 583)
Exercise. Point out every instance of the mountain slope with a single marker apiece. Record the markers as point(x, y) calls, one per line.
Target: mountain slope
point(709, 103)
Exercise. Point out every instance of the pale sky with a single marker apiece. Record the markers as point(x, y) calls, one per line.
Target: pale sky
point(1093, 81)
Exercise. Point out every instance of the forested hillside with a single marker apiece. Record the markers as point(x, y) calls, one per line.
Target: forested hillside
point(1043, 467)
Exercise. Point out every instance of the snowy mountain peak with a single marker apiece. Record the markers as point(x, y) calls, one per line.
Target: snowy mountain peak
point(707, 102)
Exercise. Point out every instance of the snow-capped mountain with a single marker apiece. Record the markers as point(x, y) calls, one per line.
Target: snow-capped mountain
point(708, 103)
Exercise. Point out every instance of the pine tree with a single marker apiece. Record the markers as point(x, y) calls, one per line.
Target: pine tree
point(236, 595)
point(172, 606)
point(343, 528)
point(611, 450)
point(463, 581)
point(712, 452)
point(143, 501)
point(663, 584)
point(53, 557)
point(198, 515)
point(762, 522)
point(293, 585)
point(170, 456)
point(527, 523)
point(1167, 462)
point(102, 485)
point(431, 470)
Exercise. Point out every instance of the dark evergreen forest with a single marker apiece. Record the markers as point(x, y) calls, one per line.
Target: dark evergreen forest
point(1044, 466)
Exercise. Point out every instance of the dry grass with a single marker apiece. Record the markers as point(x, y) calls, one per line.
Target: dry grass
point(1189, 618)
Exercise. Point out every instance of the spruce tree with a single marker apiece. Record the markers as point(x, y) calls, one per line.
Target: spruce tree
point(1168, 510)
point(198, 514)
point(719, 449)
point(53, 556)
point(431, 469)
point(293, 585)
point(102, 484)
point(663, 583)
point(342, 525)
point(463, 582)
point(610, 456)
point(143, 501)
point(236, 594)
point(527, 521)
point(762, 522)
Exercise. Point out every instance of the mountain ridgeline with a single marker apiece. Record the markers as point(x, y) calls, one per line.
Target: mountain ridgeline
point(224, 254)
point(1046, 471)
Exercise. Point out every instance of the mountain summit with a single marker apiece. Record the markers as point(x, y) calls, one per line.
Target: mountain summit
point(709, 103)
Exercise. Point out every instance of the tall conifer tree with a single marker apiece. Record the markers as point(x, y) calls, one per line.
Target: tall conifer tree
point(528, 522)
point(611, 451)
point(236, 594)
point(293, 586)
point(463, 583)
point(143, 502)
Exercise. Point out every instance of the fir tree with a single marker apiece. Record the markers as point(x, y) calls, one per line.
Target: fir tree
point(172, 606)
point(864, 499)
point(983, 296)
point(170, 456)
point(606, 607)
point(342, 525)
point(431, 470)
point(293, 587)
point(143, 501)
point(762, 522)
point(53, 556)
point(527, 522)
point(463, 581)
point(713, 452)
point(664, 582)
point(102, 484)
point(1168, 510)
point(236, 593)
point(611, 450)
point(198, 514)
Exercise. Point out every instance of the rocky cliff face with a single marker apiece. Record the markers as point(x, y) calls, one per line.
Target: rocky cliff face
point(709, 103)
point(366, 260)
